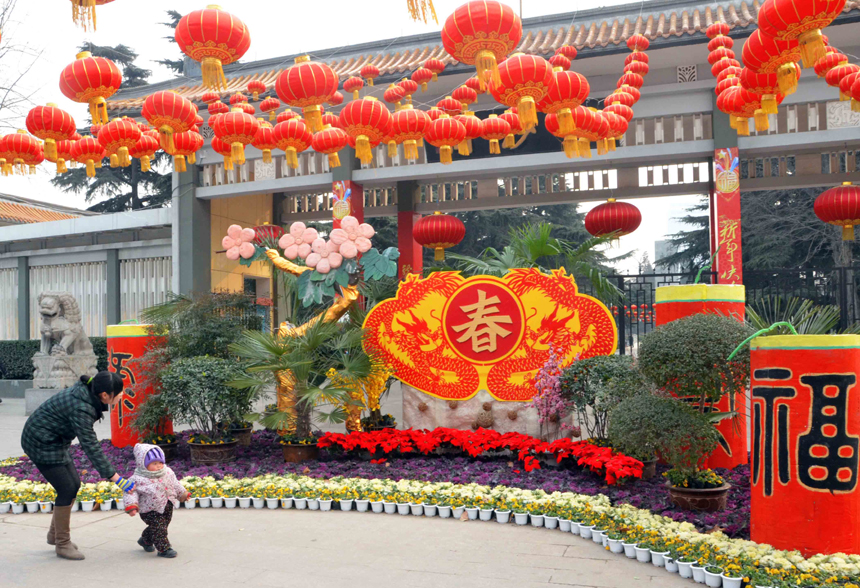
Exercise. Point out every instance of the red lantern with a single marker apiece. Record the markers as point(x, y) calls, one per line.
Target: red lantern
point(238, 129)
point(145, 150)
point(637, 67)
point(237, 99)
point(185, 147)
point(287, 115)
point(118, 137)
point(225, 150)
point(51, 124)
point(450, 106)
point(632, 80)
point(91, 80)
point(435, 112)
point(834, 77)
point(513, 119)
point(264, 140)
point(720, 41)
point(768, 55)
point(482, 33)
point(475, 84)
point(367, 122)
point(293, 137)
point(559, 61)
point(496, 129)
point(393, 95)
point(568, 51)
point(20, 151)
point(567, 91)
point(845, 87)
point(620, 97)
point(439, 232)
point(828, 62)
point(637, 43)
point(612, 218)
point(445, 133)
point(638, 56)
point(409, 87)
point(336, 99)
point(370, 72)
point(421, 76)
point(270, 105)
point(408, 127)
point(247, 108)
point(331, 120)
point(801, 20)
point(617, 127)
point(255, 88)
point(436, 66)
point(328, 142)
point(84, 12)
point(89, 152)
point(215, 38)
point(64, 155)
point(307, 84)
point(353, 85)
point(767, 85)
point(218, 108)
point(210, 97)
point(524, 81)
point(840, 206)
point(585, 129)
point(465, 96)
point(619, 109)
point(474, 130)
point(570, 143)
point(720, 53)
point(169, 113)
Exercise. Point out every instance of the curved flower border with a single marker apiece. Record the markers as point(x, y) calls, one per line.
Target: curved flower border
point(624, 522)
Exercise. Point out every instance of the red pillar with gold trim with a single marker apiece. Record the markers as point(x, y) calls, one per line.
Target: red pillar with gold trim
point(805, 443)
point(347, 200)
point(411, 259)
point(726, 212)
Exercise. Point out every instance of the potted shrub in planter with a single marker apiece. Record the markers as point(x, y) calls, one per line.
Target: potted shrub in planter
point(241, 431)
point(298, 449)
point(636, 428)
point(377, 421)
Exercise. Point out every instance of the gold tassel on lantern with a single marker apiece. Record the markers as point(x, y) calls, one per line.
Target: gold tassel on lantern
point(420, 143)
point(98, 163)
point(313, 118)
point(418, 10)
point(144, 164)
point(292, 158)
point(488, 69)
point(571, 147)
point(733, 122)
point(847, 232)
point(50, 149)
point(445, 154)
point(213, 74)
point(191, 158)
point(91, 168)
point(528, 113)
point(494, 147)
point(228, 163)
point(811, 47)
point(439, 252)
point(32, 170)
point(510, 142)
point(362, 149)
point(611, 143)
point(762, 123)
point(98, 110)
point(602, 147)
point(855, 105)
point(410, 150)
point(786, 78)
point(333, 160)
point(267, 156)
point(584, 147)
point(237, 153)
point(165, 135)
point(566, 125)
point(84, 13)
point(272, 116)
point(124, 159)
point(464, 149)
point(61, 166)
point(743, 127)
point(179, 163)
point(114, 160)
point(392, 149)
point(768, 104)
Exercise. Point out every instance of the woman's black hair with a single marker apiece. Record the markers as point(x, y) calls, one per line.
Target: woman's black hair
point(109, 382)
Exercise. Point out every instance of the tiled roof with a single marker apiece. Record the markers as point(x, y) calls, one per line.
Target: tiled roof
point(20, 211)
point(597, 30)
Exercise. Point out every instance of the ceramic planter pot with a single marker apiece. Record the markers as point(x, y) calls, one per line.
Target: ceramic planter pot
point(120, 503)
point(76, 506)
point(729, 582)
point(258, 502)
point(300, 453)
point(550, 522)
point(521, 518)
point(486, 514)
point(615, 545)
point(313, 504)
point(171, 450)
point(503, 516)
point(325, 505)
point(649, 469)
point(585, 531)
point(245, 502)
point(287, 502)
point(271, 503)
point(445, 512)
point(362, 505)
point(685, 568)
point(597, 536)
point(713, 579)
point(243, 436)
point(430, 510)
point(416, 509)
point(19, 508)
point(45, 507)
point(710, 500)
point(86, 505)
point(204, 501)
point(629, 550)
point(301, 503)
point(377, 507)
point(658, 558)
point(643, 554)
point(347, 504)
point(217, 502)
point(32, 506)
point(536, 520)
point(698, 573)
point(230, 501)
point(472, 513)
point(106, 505)
point(458, 512)
point(403, 508)
point(564, 526)
point(188, 503)
point(5, 507)
point(206, 455)
point(575, 528)
point(671, 565)
point(390, 507)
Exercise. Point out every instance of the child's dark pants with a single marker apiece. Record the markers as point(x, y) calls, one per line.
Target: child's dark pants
point(156, 527)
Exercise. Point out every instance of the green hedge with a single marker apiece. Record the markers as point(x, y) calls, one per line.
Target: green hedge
point(16, 357)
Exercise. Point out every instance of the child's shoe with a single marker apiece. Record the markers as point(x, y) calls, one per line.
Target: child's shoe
point(146, 546)
point(169, 552)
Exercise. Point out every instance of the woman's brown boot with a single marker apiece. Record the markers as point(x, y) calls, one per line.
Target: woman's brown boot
point(52, 539)
point(64, 546)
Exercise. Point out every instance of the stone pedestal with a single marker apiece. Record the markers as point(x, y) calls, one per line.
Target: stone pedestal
point(61, 371)
point(34, 397)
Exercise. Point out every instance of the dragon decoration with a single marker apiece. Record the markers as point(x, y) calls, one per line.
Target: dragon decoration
point(451, 336)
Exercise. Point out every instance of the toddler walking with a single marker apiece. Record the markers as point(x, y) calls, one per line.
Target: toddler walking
point(156, 492)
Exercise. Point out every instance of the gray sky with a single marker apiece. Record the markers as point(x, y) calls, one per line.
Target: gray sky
point(290, 28)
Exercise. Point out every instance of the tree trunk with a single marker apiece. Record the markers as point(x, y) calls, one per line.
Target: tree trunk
point(136, 204)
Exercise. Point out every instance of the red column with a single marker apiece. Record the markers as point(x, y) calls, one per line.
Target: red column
point(411, 259)
point(727, 213)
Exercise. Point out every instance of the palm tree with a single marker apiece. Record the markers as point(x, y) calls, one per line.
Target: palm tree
point(303, 362)
point(533, 245)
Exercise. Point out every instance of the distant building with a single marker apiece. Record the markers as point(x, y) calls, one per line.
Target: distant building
point(15, 210)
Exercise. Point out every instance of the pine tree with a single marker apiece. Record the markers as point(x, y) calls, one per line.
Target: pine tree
point(133, 76)
point(176, 65)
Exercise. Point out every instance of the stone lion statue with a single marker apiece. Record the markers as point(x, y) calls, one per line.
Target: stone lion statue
point(66, 352)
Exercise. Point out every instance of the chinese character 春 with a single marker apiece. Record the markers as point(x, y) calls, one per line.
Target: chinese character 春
point(483, 327)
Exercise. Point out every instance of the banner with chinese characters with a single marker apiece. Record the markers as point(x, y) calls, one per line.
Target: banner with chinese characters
point(727, 200)
point(347, 200)
point(451, 336)
point(125, 344)
point(805, 442)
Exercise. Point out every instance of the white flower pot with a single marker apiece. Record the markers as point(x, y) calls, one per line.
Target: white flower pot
point(76, 506)
point(5, 507)
point(486, 514)
point(575, 528)
point(564, 525)
point(18, 508)
point(258, 502)
point(271, 503)
point(550, 522)
point(189, 504)
point(204, 501)
point(658, 558)
point(120, 503)
point(713, 580)
point(45, 507)
point(230, 501)
point(416, 509)
point(301, 503)
point(458, 512)
point(245, 502)
point(362, 505)
point(597, 536)
point(698, 574)
point(430, 510)
point(643, 554)
point(585, 531)
point(32, 506)
point(390, 507)
point(729, 582)
point(536, 520)
point(313, 503)
point(503, 516)
point(685, 569)
point(444, 512)
point(106, 505)
point(473, 513)
point(287, 502)
point(217, 502)
point(521, 518)
point(605, 540)
point(347, 504)
point(325, 505)
point(377, 507)
point(403, 508)
point(629, 550)
point(672, 565)
point(86, 505)
point(615, 545)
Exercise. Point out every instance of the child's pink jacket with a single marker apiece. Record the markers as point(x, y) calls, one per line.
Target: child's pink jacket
point(152, 494)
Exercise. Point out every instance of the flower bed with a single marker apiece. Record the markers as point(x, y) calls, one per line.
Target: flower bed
point(600, 460)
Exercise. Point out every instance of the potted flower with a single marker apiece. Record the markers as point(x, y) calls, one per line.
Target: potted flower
point(698, 572)
point(550, 518)
point(86, 496)
point(167, 442)
point(325, 499)
point(713, 576)
point(733, 576)
point(47, 495)
point(378, 422)
point(31, 501)
point(241, 431)
point(444, 504)
point(503, 511)
point(616, 545)
point(536, 510)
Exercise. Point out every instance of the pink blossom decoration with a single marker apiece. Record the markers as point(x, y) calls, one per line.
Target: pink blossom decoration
point(297, 242)
point(324, 256)
point(239, 242)
point(352, 238)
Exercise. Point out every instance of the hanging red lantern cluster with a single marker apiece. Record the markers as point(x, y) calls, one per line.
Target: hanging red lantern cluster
point(439, 232)
point(306, 85)
point(91, 80)
point(613, 219)
point(523, 80)
point(215, 38)
point(185, 147)
point(51, 124)
point(117, 138)
point(367, 122)
point(801, 21)
point(330, 141)
point(237, 129)
point(840, 206)
point(169, 113)
point(292, 137)
point(408, 127)
point(20, 153)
